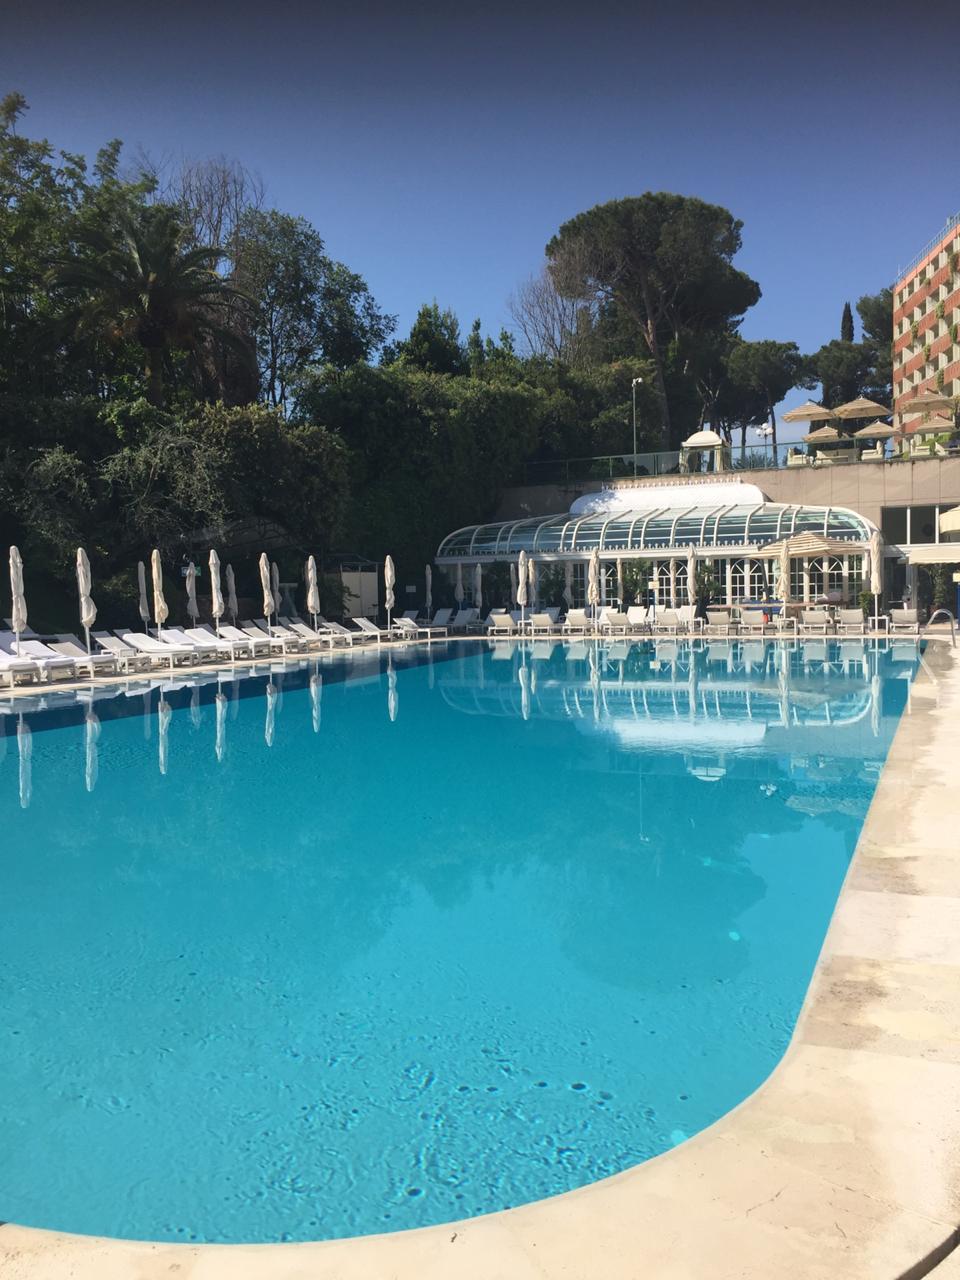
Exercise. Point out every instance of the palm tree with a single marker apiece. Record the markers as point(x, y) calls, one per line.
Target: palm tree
point(138, 281)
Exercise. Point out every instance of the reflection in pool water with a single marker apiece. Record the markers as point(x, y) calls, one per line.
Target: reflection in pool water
point(395, 939)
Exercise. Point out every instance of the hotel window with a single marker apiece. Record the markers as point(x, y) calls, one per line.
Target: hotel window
point(893, 524)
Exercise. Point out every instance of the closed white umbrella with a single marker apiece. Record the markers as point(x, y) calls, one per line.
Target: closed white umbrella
point(275, 586)
point(692, 576)
point(18, 615)
point(233, 607)
point(784, 573)
point(143, 606)
point(316, 693)
point(270, 725)
point(25, 752)
point(164, 712)
point(428, 593)
point(313, 590)
point(393, 701)
point(389, 578)
point(91, 736)
point(568, 584)
point(195, 706)
point(620, 581)
point(160, 610)
point(593, 582)
point(513, 584)
point(478, 587)
point(532, 571)
point(88, 610)
point(524, 677)
point(216, 594)
point(193, 609)
point(458, 585)
point(876, 570)
point(522, 586)
point(220, 707)
point(268, 603)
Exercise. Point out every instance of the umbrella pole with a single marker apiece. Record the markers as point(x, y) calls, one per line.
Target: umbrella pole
point(86, 632)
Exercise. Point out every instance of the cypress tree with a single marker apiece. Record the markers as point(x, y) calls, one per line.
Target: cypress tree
point(846, 324)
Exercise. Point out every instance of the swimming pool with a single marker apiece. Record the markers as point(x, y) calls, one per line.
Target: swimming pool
point(350, 949)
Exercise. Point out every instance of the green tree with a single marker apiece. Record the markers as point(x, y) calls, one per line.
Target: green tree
point(767, 368)
point(876, 319)
point(841, 368)
point(663, 264)
point(306, 308)
point(135, 282)
point(846, 324)
point(434, 343)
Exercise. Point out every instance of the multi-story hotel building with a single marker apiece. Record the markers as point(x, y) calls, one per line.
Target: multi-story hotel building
point(926, 324)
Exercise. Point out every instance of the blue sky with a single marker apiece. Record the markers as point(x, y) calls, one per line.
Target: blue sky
point(437, 151)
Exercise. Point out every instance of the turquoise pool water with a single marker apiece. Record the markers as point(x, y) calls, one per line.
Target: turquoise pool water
point(351, 949)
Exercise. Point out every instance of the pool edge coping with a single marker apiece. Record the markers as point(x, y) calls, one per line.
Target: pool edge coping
point(843, 1162)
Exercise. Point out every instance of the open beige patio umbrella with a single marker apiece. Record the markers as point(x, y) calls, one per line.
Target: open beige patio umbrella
point(313, 590)
point(193, 609)
point(143, 605)
point(18, 607)
point(822, 435)
point(927, 402)
point(88, 610)
point(216, 593)
point(861, 408)
point(268, 602)
point(935, 426)
point(808, 412)
point(233, 605)
point(875, 431)
point(160, 610)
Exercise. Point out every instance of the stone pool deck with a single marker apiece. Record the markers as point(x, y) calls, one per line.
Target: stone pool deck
point(844, 1165)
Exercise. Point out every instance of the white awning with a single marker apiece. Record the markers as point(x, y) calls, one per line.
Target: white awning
point(934, 553)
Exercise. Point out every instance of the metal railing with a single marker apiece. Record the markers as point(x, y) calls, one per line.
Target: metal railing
point(928, 248)
point(953, 624)
point(620, 466)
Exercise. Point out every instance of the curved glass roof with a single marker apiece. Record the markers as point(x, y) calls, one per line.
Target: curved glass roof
point(652, 529)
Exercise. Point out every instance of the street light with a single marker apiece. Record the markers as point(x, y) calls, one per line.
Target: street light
point(634, 390)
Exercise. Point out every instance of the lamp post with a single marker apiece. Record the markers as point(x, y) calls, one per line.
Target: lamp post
point(633, 387)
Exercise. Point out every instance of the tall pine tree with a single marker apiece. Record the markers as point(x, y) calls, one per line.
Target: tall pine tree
point(846, 324)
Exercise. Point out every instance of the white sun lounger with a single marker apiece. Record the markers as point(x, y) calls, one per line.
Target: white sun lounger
point(95, 663)
point(576, 620)
point(370, 629)
point(501, 624)
point(156, 649)
point(256, 645)
point(10, 668)
point(49, 661)
point(254, 632)
point(313, 635)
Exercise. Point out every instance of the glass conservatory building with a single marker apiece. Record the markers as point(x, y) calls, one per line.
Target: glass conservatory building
point(726, 525)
